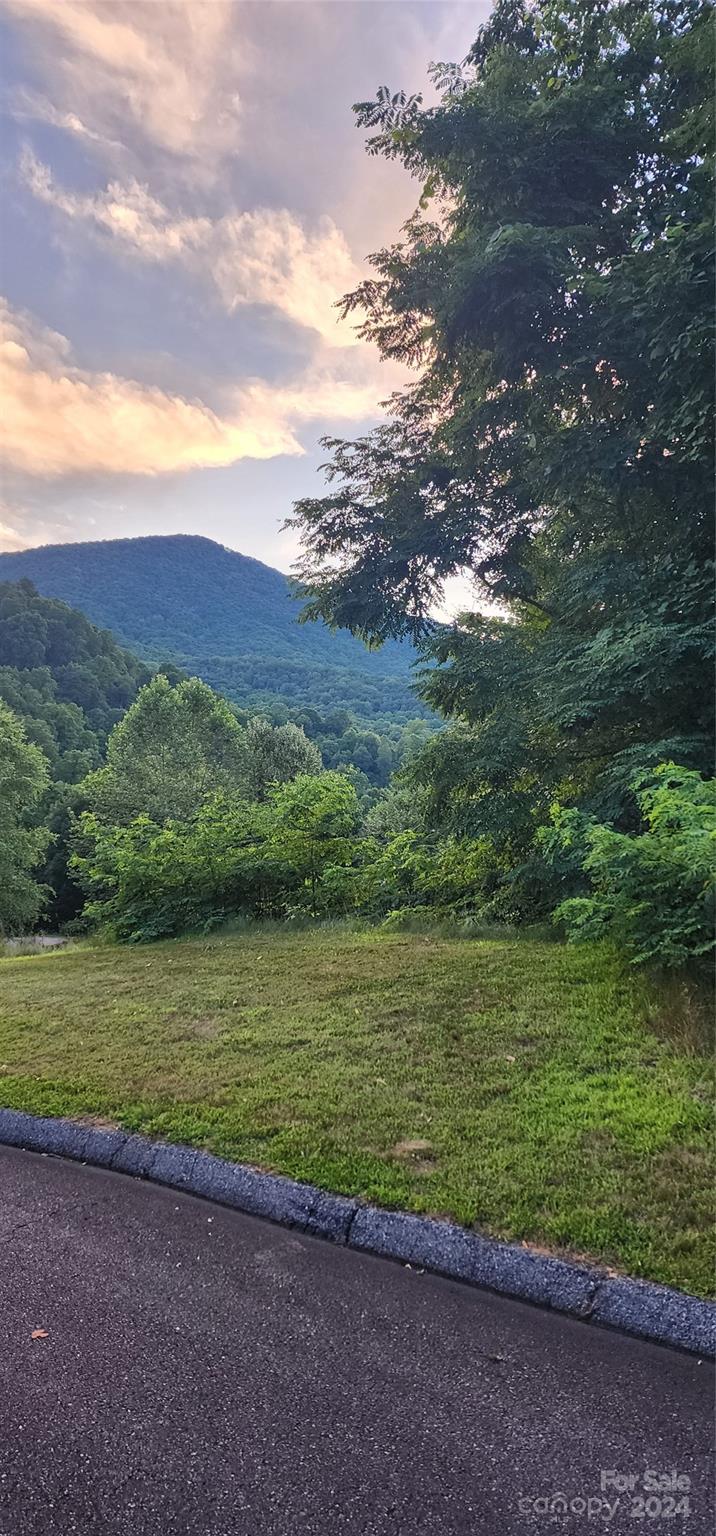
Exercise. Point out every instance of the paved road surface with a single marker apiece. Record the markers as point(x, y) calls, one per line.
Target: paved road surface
point(207, 1374)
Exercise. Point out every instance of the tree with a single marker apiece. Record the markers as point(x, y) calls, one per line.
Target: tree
point(148, 882)
point(554, 289)
point(69, 683)
point(401, 808)
point(316, 819)
point(24, 777)
point(176, 746)
point(276, 753)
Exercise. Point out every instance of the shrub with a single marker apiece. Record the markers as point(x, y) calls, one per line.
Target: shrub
point(652, 893)
point(149, 881)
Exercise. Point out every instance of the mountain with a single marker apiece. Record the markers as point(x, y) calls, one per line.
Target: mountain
point(68, 681)
point(225, 617)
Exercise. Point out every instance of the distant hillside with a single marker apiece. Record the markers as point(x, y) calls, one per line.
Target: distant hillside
point(68, 681)
point(223, 616)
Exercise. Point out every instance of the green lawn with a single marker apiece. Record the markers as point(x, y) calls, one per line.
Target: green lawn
point(515, 1085)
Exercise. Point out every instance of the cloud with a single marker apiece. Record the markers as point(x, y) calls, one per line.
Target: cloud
point(260, 257)
point(59, 419)
point(21, 525)
point(166, 73)
point(29, 106)
point(349, 391)
point(10, 538)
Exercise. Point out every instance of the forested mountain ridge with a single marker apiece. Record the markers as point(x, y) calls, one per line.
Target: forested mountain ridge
point(66, 684)
point(67, 681)
point(226, 617)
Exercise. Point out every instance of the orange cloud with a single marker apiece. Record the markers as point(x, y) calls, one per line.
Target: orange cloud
point(59, 419)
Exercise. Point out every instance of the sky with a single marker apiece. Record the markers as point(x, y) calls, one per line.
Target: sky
point(184, 196)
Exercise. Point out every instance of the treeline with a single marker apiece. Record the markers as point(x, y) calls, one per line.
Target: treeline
point(68, 681)
point(345, 742)
point(69, 684)
point(195, 817)
point(227, 619)
point(272, 683)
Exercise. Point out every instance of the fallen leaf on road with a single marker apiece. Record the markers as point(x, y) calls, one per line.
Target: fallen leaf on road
point(39, 1333)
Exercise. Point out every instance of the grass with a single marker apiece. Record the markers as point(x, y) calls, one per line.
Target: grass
point(532, 1090)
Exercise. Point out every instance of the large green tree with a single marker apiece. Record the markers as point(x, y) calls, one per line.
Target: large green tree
point(315, 822)
point(24, 776)
point(176, 746)
point(69, 683)
point(553, 292)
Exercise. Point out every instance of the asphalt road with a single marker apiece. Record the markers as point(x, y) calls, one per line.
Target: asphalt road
point(202, 1373)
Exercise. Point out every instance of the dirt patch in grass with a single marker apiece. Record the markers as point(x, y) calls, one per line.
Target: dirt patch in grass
point(416, 1153)
point(202, 1029)
point(96, 1122)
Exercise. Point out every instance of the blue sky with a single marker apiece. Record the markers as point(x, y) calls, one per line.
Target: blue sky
point(184, 196)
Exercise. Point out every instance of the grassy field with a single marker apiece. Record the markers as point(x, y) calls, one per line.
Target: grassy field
point(526, 1088)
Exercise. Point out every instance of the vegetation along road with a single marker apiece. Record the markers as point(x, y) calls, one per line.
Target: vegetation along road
point(536, 1090)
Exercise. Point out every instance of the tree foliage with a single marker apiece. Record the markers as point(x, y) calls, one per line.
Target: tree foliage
point(274, 754)
point(230, 855)
point(24, 777)
point(146, 881)
point(315, 821)
point(175, 747)
point(225, 618)
point(69, 683)
point(553, 292)
point(653, 893)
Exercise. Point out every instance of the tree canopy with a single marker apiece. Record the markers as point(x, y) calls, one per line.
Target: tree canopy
point(553, 292)
point(68, 681)
point(175, 746)
point(24, 776)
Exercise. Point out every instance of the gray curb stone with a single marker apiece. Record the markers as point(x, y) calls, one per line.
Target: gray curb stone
point(632, 1306)
point(655, 1312)
point(502, 1267)
point(136, 1156)
point(274, 1197)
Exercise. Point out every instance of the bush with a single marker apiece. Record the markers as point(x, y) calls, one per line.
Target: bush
point(264, 859)
point(408, 873)
point(151, 882)
point(653, 893)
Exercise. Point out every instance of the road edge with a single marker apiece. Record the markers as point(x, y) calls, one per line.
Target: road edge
point(636, 1307)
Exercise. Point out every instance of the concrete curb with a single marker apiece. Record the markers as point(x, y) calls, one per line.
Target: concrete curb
point(632, 1306)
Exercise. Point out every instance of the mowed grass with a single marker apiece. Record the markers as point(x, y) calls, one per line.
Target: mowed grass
point(516, 1086)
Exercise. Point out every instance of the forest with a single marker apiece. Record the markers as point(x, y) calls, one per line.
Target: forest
point(225, 618)
point(552, 295)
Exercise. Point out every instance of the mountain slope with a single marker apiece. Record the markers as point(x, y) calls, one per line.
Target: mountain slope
point(67, 681)
point(230, 619)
